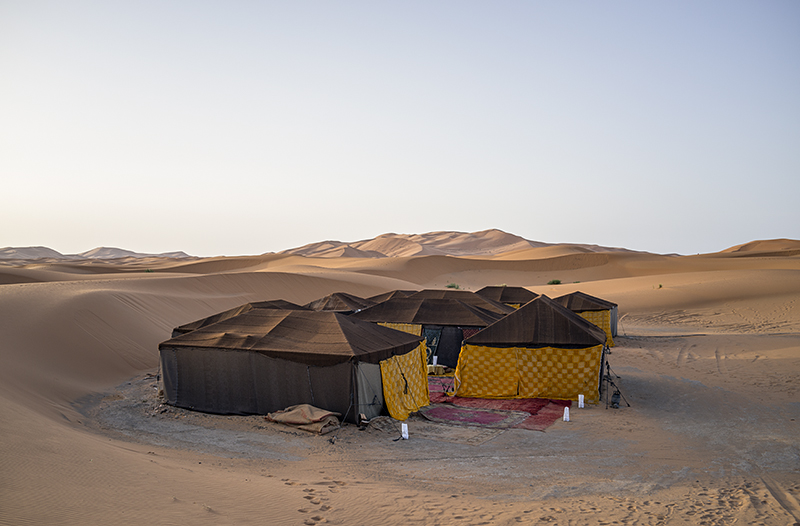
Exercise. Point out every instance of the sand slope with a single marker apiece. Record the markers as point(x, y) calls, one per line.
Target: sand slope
point(708, 354)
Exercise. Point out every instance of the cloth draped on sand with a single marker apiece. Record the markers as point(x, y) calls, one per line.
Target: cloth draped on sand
point(307, 417)
point(542, 412)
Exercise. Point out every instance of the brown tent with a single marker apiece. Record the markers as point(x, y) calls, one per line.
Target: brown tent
point(511, 296)
point(542, 350)
point(340, 302)
point(539, 323)
point(241, 309)
point(465, 296)
point(443, 322)
point(265, 360)
point(601, 312)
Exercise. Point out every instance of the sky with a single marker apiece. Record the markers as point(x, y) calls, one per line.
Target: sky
point(244, 127)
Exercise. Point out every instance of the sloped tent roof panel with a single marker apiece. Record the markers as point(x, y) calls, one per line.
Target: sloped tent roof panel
point(230, 313)
point(379, 298)
point(340, 302)
point(309, 337)
point(465, 296)
point(540, 322)
point(505, 294)
point(580, 301)
point(428, 312)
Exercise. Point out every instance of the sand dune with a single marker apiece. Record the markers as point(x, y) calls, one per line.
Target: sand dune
point(708, 354)
point(788, 247)
point(44, 253)
point(486, 243)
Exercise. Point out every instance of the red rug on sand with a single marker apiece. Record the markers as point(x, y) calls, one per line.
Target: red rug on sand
point(543, 412)
point(473, 416)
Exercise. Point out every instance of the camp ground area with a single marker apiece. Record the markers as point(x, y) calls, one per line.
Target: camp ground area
point(265, 389)
point(453, 357)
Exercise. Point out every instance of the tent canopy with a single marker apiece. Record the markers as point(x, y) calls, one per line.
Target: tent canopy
point(540, 322)
point(308, 337)
point(580, 301)
point(504, 294)
point(230, 313)
point(464, 296)
point(380, 298)
point(340, 302)
point(445, 312)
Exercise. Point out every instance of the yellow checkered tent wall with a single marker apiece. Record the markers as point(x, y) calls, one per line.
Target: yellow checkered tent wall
point(519, 372)
point(601, 318)
point(405, 382)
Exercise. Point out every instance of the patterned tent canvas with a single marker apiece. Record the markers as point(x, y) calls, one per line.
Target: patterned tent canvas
point(540, 351)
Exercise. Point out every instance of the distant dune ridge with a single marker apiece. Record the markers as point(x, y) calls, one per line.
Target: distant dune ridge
point(488, 243)
point(492, 243)
point(95, 253)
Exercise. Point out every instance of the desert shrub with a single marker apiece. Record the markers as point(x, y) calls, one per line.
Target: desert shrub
point(452, 286)
point(554, 282)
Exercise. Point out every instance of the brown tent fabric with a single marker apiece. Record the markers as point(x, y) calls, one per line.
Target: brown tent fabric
point(580, 301)
point(270, 304)
point(507, 295)
point(464, 296)
point(445, 317)
point(265, 360)
point(589, 307)
point(424, 311)
point(308, 337)
point(539, 323)
point(340, 302)
point(380, 298)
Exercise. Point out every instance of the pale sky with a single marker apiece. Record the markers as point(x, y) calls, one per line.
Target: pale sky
point(229, 128)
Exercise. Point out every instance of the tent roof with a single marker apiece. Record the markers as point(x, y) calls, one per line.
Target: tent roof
point(579, 301)
point(428, 312)
point(340, 302)
point(310, 337)
point(378, 298)
point(540, 322)
point(465, 296)
point(505, 294)
point(271, 304)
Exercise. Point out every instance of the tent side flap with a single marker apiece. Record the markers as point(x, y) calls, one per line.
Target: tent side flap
point(405, 382)
point(369, 388)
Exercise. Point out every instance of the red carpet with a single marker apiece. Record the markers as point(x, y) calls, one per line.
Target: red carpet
point(473, 416)
point(543, 412)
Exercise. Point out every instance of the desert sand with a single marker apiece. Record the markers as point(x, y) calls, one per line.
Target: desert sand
point(708, 356)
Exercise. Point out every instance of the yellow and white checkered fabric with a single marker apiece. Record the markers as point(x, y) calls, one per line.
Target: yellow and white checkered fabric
point(405, 382)
point(487, 372)
point(518, 372)
point(411, 328)
point(601, 318)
